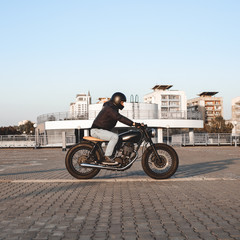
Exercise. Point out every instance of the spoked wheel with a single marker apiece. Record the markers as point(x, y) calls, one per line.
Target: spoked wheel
point(76, 156)
point(162, 166)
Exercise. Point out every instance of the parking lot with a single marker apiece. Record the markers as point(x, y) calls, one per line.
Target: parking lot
point(40, 200)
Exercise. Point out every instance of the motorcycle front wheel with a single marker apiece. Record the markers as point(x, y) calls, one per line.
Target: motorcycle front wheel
point(161, 167)
point(78, 154)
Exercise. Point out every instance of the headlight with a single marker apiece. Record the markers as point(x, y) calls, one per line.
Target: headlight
point(152, 132)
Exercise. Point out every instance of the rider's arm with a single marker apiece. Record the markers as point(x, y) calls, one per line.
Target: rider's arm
point(118, 117)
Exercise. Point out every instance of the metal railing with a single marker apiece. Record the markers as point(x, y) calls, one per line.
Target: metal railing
point(7, 141)
point(56, 140)
point(205, 139)
point(60, 116)
point(33, 141)
point(143, 114)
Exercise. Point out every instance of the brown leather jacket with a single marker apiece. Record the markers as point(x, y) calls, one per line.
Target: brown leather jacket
point(109, 116)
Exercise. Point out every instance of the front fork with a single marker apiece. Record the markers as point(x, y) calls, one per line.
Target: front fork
point(154, 149)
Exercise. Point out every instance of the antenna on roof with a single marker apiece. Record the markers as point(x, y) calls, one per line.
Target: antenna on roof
point(136, 99)
point(131, 98)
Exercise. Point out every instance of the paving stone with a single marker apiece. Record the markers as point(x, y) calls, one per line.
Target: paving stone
point(129, 207)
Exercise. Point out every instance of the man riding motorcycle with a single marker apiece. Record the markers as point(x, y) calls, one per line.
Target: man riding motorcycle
point(106, 120)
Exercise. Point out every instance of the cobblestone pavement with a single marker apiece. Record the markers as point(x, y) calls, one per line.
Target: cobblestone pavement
point(40, 200)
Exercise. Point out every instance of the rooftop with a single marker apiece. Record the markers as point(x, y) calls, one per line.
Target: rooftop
point(203, 94)
point(162, 87)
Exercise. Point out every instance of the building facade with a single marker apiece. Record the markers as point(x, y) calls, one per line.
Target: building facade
point(236, 115)
point(171, 103)
point(162, 109)
point(208, 105)
point(131, 110)
point(80, 108)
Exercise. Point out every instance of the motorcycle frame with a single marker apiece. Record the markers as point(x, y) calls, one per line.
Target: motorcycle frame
point(97, 145)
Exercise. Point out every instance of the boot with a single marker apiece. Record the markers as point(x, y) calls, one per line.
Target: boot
point(109, 161)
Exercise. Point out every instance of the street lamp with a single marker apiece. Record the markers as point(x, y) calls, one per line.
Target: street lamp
point(35, 133)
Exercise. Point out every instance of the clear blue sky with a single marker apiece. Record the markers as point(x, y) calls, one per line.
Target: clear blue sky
point(51, 50)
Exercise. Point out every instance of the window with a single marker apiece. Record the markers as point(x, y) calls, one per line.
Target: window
point(164, 109)
point(164, 96)
point(174, 97)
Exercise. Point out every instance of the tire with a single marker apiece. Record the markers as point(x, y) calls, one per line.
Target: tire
point(77, 155)
point(164, 168)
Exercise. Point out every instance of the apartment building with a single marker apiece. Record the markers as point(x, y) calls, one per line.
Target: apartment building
point(236, 115)
point(208, 105)
point(79, 109)
point(171, 103)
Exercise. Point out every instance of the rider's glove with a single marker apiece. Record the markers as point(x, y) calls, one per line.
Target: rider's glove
point(137, 125)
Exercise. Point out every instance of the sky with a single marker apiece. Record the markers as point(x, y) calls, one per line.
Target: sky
point(51, 50)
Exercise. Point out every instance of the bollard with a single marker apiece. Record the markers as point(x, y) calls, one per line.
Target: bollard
point(64, 141)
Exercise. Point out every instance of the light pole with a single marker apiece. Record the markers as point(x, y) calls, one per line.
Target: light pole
point(35, 133)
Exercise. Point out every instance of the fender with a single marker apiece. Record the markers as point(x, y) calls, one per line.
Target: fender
point(98, 149)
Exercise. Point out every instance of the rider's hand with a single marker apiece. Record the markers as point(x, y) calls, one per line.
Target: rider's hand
point(138, 125)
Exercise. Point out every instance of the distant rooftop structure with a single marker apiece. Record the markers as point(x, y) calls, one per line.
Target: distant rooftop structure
point(103, 100)
point(207, 94)
point(162, 87)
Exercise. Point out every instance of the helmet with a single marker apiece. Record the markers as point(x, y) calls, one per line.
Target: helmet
point(117, 98)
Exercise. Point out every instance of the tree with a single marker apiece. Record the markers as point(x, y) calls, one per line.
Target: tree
point(217, 125)
point(27, 128)
point(10, 130)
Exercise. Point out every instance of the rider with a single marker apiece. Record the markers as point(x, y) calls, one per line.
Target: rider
point(106, 120)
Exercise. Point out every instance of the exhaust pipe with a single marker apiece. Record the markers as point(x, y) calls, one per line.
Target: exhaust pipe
point(101, 167)
point(109, 168)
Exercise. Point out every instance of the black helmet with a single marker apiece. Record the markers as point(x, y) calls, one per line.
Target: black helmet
point(117, 98)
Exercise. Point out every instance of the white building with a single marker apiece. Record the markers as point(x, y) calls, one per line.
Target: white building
point(131, 110)
point(161, 109)
point(79, 109)
point(171, 103)
point(236, 115)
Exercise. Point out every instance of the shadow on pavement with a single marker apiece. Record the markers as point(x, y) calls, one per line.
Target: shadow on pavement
point(197, 169)
point(183, 171)
point(33, 172)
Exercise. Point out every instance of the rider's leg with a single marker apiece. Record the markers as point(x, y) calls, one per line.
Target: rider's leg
point(107, 136)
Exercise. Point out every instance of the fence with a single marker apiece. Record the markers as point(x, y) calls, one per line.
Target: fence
point(54, 140)
point(17, 141)
point(205, 139)
point(60, 116)
point(143, 114)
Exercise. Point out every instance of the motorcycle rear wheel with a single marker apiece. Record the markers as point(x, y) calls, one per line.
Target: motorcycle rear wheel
point(164, 166)
point(77, 155)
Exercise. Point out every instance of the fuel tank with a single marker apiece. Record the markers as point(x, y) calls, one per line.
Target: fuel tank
point(131, 136)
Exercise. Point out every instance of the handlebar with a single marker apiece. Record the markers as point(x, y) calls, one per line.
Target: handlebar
point(141, 125)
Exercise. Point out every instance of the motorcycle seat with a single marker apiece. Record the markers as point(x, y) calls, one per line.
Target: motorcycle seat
point(93, 139)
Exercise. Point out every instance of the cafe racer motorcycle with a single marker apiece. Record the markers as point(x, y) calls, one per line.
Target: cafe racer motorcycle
point(159, 161)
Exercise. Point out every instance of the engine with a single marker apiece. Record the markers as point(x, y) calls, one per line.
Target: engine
point(126, 154)
point(128, 148)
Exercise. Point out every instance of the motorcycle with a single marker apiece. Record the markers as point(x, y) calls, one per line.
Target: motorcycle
point(159, 161)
